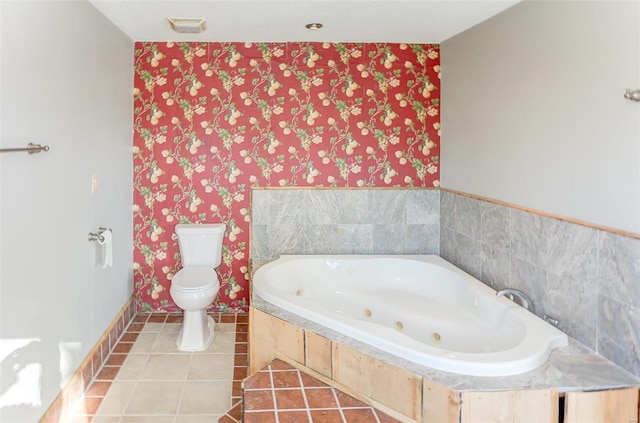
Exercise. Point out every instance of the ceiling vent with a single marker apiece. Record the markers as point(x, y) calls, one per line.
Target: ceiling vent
point(188, 25)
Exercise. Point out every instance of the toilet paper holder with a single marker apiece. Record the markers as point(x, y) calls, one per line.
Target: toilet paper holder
point(98, 237)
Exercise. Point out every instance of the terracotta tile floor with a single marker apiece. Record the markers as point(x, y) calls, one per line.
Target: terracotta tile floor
point(284, 394)
point(147, 379)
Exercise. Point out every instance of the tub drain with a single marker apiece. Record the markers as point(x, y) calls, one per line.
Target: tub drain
point(399, 326)
point(298, 292)
point(435, 337)
point(367, 312)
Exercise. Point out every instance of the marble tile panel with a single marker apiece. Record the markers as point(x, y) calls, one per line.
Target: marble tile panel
point(467, 254)
point(260, 207)
point(389, 239)
point(527, 228)
point(496, 226)
point(540, 378)
point(573, 253)
point(321, 239)
point(467, 216)
point(531, 236)
point(287, 207)
point(447, 209)
point(621, 324)
point(619, 268)
point(495, 235)
point(575, 305)
point(259, 241)
point(353, 206)
point(285, 239)
point(495, 266)
point(423, 238)
point(321, 207)
point(423, 207)
point(388, 207)
point(622, 355)
point(525, 251)
point(574, 359)
point(447, 244)
point(530, 279)
point(355, 239)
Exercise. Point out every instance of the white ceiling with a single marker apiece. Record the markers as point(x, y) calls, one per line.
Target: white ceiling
point(408, 21)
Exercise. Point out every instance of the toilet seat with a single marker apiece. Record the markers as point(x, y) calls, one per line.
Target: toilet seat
point(195, 278)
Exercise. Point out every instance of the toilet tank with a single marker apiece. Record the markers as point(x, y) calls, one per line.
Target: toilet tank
point(200, 244)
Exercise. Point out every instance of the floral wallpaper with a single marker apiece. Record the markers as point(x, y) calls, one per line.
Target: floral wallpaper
point(212, 120)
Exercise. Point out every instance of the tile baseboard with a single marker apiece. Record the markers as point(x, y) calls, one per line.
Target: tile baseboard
point(63, 407)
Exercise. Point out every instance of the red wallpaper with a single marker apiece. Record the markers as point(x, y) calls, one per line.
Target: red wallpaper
point(214, 119)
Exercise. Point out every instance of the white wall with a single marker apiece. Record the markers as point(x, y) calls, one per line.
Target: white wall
point(66, 81)
point(533, 110)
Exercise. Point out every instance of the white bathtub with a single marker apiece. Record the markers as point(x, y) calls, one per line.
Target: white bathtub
point(420, 308)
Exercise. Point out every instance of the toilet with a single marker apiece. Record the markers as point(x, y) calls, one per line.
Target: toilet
point(195, 286)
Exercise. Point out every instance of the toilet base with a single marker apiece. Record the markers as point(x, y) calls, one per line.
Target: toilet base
point(197, 331)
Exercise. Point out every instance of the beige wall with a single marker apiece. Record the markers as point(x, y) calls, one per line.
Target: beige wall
point(66, 82)
point(533, 110)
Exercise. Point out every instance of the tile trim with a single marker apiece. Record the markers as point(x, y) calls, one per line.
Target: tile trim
point(73, 392)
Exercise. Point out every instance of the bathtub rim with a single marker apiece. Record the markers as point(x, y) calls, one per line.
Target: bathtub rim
point(464, 364)
point(566, 369)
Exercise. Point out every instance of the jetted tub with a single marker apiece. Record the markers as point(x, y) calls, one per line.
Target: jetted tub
point(420, 308)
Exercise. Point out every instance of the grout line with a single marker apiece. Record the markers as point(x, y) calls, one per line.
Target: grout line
point(304, 395)
point(273, 393)
point(184, 385)
point(335, 397)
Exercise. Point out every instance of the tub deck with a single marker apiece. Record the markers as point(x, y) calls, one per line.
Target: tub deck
point(570, 368)
point(585, 386)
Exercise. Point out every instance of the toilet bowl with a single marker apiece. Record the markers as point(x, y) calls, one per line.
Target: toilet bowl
point(193, 289)
point(196, 285)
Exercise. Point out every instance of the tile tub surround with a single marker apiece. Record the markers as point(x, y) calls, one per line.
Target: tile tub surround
point(146, 378)
point(281, 392)
point(587, 278)
point(344, 221)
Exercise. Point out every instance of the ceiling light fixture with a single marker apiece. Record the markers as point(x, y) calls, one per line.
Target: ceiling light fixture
point(188, 25)
point(314, 26)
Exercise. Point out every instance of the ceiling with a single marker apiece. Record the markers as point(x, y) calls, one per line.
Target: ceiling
point(407, 21)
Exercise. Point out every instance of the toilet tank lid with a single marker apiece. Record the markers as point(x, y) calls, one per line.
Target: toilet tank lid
point(196, 228)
